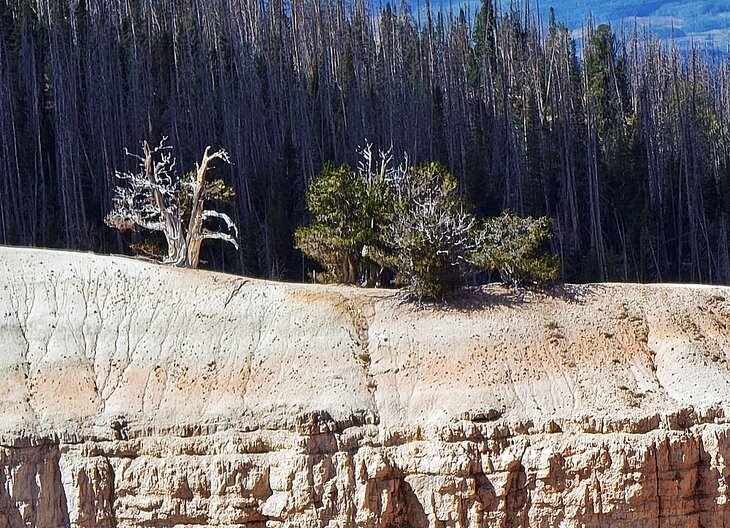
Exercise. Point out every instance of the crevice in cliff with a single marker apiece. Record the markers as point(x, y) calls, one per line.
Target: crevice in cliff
point(112, 478)
point(652, 355)
point(658, 488)
point(255, 345)
point(25, 361)
point(235, 291)
point(355, 309)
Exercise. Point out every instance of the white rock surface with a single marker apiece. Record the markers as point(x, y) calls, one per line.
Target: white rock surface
point(133, 395)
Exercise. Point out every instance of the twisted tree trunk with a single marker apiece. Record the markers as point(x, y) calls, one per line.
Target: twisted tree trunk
point(196, 234)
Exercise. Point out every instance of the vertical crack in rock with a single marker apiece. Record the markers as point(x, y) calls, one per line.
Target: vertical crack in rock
point(21, 318)
point(360, 312)
point(234, 292)
point(658, 490)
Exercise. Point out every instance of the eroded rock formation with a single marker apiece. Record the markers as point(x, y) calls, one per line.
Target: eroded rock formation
point(139, 395)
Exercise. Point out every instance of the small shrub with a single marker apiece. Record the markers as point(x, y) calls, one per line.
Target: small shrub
point(517, 248)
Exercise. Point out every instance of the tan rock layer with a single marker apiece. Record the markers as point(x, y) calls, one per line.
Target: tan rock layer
point(660, 479)
point(138, 395)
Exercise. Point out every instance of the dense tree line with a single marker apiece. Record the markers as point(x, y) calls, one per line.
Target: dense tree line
point(622, 139)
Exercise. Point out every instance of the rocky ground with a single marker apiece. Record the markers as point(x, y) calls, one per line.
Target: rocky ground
point(133, 394)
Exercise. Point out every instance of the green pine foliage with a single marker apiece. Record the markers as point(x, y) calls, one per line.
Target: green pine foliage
point(334, 235)
point(517, 248)
point(348, 209)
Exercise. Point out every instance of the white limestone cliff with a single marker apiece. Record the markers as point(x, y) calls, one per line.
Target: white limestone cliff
point(133, 395)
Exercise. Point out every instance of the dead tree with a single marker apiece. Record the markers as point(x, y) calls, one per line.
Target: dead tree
point(196, 231)
point(150, 199)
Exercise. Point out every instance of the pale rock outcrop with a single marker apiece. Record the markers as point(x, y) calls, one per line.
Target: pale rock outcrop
point(139, 395)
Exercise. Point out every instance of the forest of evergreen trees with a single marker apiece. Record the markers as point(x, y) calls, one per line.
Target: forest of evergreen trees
point(622, 139)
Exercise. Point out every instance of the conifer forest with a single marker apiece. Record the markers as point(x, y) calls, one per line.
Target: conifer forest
point(621, 138)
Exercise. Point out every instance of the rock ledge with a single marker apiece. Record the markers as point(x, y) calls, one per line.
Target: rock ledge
point(138, 395)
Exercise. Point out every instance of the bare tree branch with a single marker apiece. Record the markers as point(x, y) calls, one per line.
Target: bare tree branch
point(148, 199)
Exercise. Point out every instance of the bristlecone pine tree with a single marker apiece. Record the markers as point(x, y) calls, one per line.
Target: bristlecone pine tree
point(154, 198)
point(349, 208)
point(431, 234)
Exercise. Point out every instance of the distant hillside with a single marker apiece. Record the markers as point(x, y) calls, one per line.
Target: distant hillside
point(699, 21)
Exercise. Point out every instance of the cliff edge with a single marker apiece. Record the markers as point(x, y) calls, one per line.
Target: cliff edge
point(133, 394)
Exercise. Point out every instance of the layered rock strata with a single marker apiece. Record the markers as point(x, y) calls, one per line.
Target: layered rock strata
point(135, 395)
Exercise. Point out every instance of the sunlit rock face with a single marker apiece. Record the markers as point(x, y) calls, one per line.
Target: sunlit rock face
point(139, 395)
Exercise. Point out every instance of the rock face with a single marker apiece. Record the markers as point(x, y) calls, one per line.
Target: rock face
point(138, 395)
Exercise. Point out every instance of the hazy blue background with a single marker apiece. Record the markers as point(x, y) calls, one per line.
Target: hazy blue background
point(701, 21)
